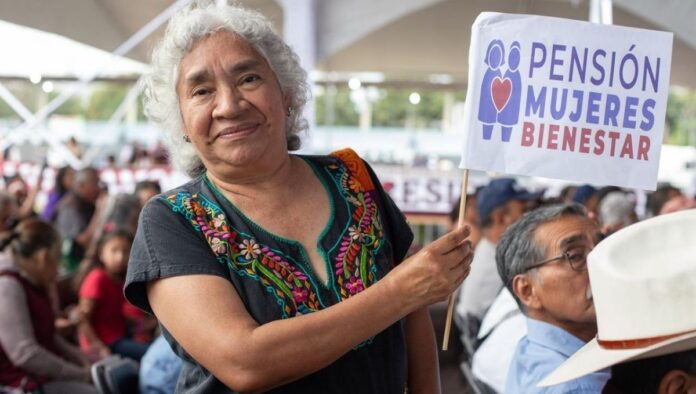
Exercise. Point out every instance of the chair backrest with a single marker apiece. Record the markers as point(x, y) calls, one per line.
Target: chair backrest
point(115, 375)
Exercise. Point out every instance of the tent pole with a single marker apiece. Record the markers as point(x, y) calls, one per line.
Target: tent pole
point(115, 119)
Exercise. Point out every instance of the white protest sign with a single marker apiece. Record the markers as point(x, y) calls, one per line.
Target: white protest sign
point(566, 99)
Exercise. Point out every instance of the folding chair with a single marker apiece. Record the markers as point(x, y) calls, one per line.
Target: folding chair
point(115, 375)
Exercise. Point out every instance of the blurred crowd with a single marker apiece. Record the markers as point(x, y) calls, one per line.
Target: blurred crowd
point(62, 270)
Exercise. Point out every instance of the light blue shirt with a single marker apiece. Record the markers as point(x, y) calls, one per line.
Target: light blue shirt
point(159, 369)
point(539, 353)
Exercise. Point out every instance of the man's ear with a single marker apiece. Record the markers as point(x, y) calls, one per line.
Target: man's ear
point(524, 288)
point(677, 382)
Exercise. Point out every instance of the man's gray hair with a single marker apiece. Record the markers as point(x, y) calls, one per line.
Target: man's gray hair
point(617, 209)
point(194, 23)
point(516, 249)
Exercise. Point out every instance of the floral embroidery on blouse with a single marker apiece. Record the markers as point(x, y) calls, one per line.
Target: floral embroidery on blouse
point(354, 265)
point(353, 257)
point(243, 254)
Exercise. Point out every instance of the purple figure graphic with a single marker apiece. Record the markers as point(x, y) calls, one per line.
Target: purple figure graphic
point(509, 114)
point(488, 110)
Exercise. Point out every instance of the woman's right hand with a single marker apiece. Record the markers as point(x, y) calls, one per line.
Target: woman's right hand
point(436, 271)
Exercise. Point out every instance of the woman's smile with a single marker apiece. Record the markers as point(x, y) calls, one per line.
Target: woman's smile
point(237, 132)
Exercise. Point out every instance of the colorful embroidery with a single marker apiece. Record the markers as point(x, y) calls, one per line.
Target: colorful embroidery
point(291, 287)
point(354, 265)
point(353, 256)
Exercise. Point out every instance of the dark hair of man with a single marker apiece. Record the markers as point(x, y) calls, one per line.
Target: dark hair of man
point(516, 249)
point(644, 376)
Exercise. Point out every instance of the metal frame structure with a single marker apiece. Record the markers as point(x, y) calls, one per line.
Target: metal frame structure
point(32, 120)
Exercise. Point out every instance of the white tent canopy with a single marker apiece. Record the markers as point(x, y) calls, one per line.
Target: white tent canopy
point(405, 39)
point(50, 56)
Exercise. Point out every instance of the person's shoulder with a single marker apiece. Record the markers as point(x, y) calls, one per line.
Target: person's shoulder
point(319, 160)
point(96, 277)
point(529, 366)
point(585, 384)
point(358, 169)
point(347, 155)
point(10, 284)
point(96, 273)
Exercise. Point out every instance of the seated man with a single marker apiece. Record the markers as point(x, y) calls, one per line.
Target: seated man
point(541, 259)
point(644, 285)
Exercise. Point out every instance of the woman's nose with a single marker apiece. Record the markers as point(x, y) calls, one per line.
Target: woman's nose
point(229, 102)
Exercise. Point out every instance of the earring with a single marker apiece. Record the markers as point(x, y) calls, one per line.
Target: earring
point(186, 138)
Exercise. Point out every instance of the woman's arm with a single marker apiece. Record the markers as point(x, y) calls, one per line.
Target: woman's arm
point(423, 369)
point(206, 316)
point(87, 307)
point(70, 352)
point(20, 345)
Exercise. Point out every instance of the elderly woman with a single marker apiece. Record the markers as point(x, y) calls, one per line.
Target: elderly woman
point(274, 271)
point(32, 355)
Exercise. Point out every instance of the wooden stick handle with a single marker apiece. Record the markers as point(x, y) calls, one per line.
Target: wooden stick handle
point(450, 301)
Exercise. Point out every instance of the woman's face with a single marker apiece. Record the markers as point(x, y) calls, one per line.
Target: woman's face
point(231, 103)
point(48, 260)
point(114, 255)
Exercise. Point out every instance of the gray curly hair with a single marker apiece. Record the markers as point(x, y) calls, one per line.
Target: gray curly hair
point(192, 24)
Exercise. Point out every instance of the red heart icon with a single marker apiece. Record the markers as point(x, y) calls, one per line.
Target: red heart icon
point(387, 186)
point(501, 90)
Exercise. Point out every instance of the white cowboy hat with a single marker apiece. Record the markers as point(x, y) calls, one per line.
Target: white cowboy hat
point(643, 282)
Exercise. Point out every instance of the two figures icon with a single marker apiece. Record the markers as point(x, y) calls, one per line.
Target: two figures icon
point(500, 93)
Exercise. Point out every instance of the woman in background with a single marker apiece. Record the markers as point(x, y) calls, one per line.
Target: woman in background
point(32, 355)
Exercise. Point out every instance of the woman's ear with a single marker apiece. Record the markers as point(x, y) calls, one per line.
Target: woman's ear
point(286, 105)
point(677, 382)
point(524, 288)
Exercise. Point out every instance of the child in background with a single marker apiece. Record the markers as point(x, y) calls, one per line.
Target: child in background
point(103, 308)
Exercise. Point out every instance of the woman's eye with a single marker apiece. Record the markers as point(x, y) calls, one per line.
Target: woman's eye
point(250, 79)
point(200, 92)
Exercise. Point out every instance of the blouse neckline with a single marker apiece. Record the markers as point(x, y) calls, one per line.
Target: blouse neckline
point(327, 227)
